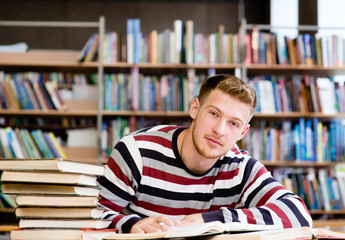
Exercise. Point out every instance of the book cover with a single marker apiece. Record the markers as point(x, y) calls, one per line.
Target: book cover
point(308, 50)
point(92, 51)
point(41, 98)
point(204, 229)
point(37, 135)
point(327, 95)
point(58, 213)
point(12, 101)
point(14, 144)
point(45, 94)
point(53, 164)
point(60, 234)
point(48, 189)
point(255, 44)
point(57, 145)
point(49, 177)
point(51, 145)
point(178, 40)
point(86, 48)
point(44, 234)
point(32, 95)
point(70, 224)
point(32, 148)
point(130, 40)
point(56, 201)
point(4, 103)
point(17, 85)
point(137, 35)
point(21, 142)
point(189, 42)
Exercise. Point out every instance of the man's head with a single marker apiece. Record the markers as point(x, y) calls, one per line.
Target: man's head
point(221, 117)
point(231, 85)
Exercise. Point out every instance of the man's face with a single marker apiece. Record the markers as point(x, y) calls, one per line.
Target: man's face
point(218, 123)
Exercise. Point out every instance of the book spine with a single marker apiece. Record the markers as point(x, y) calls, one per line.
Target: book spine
point(57, 145)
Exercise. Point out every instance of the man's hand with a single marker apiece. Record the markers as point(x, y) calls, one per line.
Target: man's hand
point(154, 224)
point(192, 219)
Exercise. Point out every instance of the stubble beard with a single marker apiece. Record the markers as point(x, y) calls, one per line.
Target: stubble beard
point(203, 151)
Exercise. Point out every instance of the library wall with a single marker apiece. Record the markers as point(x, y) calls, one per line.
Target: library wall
point(158, 15)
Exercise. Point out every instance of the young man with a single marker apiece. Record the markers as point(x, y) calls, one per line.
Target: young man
point(170, 175)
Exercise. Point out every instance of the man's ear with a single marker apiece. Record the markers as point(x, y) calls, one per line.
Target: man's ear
point(194, 107)
point(244, 131)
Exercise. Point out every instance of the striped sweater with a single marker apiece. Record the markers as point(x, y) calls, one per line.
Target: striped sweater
point(145, 176)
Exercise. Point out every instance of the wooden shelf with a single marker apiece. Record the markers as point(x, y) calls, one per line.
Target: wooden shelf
point(293, 69)
point(146, 113)
point(75, 108)
point(297, 164)
point(293, 115)
point(85, 154)
point(340, 211)
point(287, 115)
point(335, 225)
point(44, 58)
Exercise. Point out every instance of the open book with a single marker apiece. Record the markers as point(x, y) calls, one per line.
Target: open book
point(238, 231)
point(209, 228)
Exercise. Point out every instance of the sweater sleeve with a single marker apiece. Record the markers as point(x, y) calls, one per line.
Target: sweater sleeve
point(119, 184)
point(263, 200)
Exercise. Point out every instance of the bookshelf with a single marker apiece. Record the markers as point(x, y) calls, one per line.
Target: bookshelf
point(77, 110)
point(65, 61)
point(55, 61)
point(278, 165)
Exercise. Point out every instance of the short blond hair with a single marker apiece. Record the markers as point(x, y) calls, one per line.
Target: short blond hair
point(231, 85)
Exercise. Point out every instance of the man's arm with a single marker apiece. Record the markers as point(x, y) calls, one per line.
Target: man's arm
point(263, 201)
point(118, 186)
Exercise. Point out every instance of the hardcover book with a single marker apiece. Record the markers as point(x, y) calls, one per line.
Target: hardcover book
point(56, 201)
point(52, 164)
point(49, 177)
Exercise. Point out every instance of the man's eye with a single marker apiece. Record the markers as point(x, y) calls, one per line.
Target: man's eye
point(233, 124)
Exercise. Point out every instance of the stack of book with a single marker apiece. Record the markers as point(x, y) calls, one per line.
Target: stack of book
point(56, 198)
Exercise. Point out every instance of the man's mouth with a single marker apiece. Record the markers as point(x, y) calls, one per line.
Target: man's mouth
point(214, 141)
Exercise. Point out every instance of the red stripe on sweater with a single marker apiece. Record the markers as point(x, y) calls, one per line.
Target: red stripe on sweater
point(116, 219)
point(162, 175)
point(261, 171)
point(285, 219)
point(250, 217)
point(155, 139)
point(117, 171)
point(109, 204)
point(166, 210)
point(167, 129)
point(269, 194)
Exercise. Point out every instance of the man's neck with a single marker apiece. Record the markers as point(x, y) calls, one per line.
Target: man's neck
point(190, 156)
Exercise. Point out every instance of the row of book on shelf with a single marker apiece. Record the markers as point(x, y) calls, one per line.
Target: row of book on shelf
point(299, 93)
point(29, 91)
point(55, 198)
point(307, 140)
point(182, 44)
point(296, 93)
point(171, 92)
point(22, 143)
point(150, 93)
point(39, 122)
point(321, 189)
